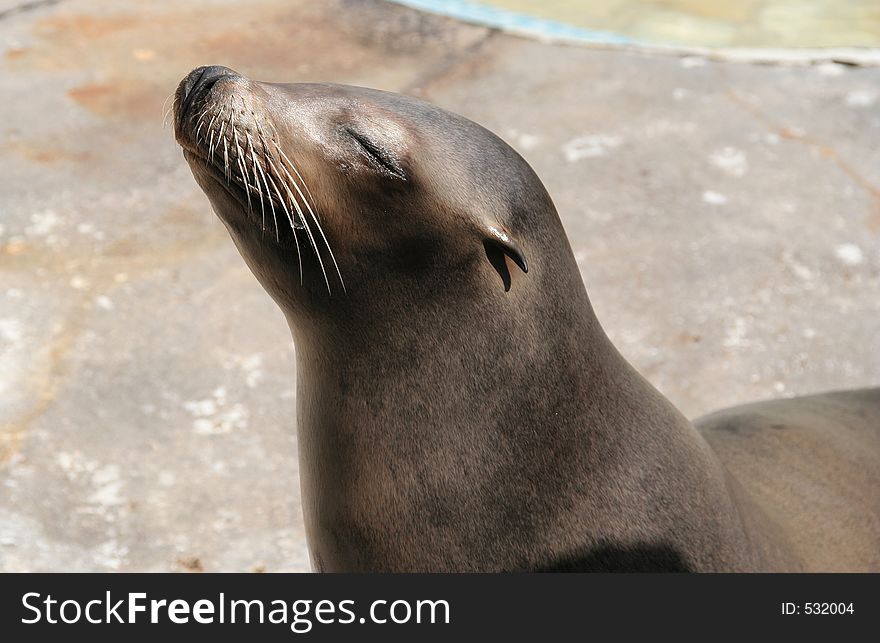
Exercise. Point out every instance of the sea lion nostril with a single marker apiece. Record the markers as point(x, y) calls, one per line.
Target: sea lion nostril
point(191, 79)
point(199, 81)
point(210, 75)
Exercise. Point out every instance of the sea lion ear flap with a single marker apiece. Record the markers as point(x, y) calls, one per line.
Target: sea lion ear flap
point(499, 245)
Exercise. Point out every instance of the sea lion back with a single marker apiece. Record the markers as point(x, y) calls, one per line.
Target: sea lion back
point(813, 464)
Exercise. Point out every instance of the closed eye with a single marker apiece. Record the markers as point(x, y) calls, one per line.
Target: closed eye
point(379, 156)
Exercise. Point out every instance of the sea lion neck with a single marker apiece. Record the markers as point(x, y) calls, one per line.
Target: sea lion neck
point(457, 426)
point(480, 411)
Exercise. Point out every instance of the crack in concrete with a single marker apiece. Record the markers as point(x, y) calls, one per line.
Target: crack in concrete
point(450, 64)
point(27, 6)
point(12, 433)
point(825, 150)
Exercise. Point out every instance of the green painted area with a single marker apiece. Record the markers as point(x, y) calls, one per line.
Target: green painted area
point(719, 23)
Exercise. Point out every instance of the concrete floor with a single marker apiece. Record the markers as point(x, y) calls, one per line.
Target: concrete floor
point(726, 218)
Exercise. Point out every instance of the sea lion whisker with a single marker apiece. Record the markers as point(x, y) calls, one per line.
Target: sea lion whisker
point(237, 150)
point(210, 149)
point(273, 171)
point(242, 167)
point(284, 163)
point(269, 197)
point(226, 171)
point(218, 115)
point(330, 250)
point(305, 225)
point(290, 220)
point(303, 219)
point(201, 118)
point(257, 180)
point(299, 212)
point(247, 187)
point(293, 167)
point(317, 253)
point(169, 110)
point(165, 115)
point(281, 200)
point(200, 123)
point(222, 125)
point(211, 123)
point(312, 213)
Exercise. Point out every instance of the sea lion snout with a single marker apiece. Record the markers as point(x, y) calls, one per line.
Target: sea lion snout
point(205, 89)
point(198, 82)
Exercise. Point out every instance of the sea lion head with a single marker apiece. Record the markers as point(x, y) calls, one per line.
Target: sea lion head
point(335, 193)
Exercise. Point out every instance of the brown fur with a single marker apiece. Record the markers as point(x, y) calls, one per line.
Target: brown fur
point(813, 463)
point(457, 413)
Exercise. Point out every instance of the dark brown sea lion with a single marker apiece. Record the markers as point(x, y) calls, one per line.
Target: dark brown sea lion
point(459, 406)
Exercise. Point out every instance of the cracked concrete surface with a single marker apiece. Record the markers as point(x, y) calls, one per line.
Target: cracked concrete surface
point(726, 219)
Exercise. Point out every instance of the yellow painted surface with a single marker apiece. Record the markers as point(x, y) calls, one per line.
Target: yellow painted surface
point(719, 23)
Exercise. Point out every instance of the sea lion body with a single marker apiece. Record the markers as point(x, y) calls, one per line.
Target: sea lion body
point(459, 407)
point(813, 463)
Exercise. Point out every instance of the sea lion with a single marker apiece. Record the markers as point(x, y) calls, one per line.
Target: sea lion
point(459, 406)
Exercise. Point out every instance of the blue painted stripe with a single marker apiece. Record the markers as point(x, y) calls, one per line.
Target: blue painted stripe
point(515, 22)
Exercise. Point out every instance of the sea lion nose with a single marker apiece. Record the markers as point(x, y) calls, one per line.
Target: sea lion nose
point(200, 80)
point(207, 74)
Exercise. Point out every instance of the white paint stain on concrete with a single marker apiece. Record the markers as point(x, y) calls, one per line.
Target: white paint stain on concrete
point(11, 330)
point(714, 198)
point(211, 416)
point(591, 146)
point(13, 355)
point(862, 98)
point(219, 394)
point(112, 554)
point(105, 480)
point(800, 270)
point(201, 408)
point(43, 223)
point(663, 127)
point(849, 254)
point(108, 487)
point(735, 337)
point(235, 417)
point(523, 140)
point(730, 160)
point(830, 69)
point(690, 62)
point(252, 367)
